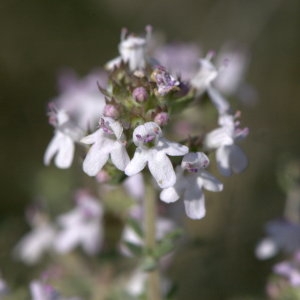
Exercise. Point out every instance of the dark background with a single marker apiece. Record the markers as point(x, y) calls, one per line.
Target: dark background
point(40, 37)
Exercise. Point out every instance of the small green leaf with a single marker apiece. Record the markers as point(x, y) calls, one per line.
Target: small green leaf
point(163, 248)
point(136, 227)
point(134, 248)
point(149, 264)
point(167, 244)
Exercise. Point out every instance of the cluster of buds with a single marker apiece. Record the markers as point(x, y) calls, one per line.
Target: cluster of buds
point(134, 105)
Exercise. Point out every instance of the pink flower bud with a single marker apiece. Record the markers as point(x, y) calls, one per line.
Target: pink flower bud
point(140, 94)
point(111, 111)
point(161, 118)
point(102, 177)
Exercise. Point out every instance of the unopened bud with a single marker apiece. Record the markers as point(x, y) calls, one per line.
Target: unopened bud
point(102, 177)
point(161, 118)
point(111, 111)
point(140, 94)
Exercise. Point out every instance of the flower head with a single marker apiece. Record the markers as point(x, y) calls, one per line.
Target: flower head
point(191, 179)
point(152, 150)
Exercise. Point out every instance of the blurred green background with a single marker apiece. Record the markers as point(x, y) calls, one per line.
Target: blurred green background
point(40, 37)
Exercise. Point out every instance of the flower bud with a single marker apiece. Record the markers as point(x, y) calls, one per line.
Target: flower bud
point(102, 177)
point(161, 118)
point(111, 111)
point(140, 94)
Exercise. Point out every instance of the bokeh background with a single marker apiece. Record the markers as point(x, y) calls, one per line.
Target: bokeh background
point(39, 38)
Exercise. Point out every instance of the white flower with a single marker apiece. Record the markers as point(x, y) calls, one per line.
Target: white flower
point(33, 245)
point(202, 82)
point(81, 226)
point(107, 141)
point(230, 157)
point(62, 144)
point(152, 149)
point(132, 51)
point(191, 179)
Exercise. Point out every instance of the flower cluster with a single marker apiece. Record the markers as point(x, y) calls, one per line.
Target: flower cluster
point(134, 108)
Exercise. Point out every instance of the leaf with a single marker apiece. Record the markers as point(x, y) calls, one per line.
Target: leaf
point(136, 227)
point(149, 264)
point(134, 248)
point(167, 244)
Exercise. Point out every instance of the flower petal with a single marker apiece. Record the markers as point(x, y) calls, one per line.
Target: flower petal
point(194, 202)
point(114, 63)
point(91, 238)
point(119, 156)
point(171, 148)
point(223, 161)
point(209, 182)
point(162, 170)
point(65, 153)
point(53, 147)
point(63, 145)
point(238, 159)
point(218, 100)
point(97, 157)
point(138, 162)
point(67, 239)
point(169, 195)
point(217, 138)
point(92, 138)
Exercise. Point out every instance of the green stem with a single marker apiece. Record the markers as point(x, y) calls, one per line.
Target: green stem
point(153, 284)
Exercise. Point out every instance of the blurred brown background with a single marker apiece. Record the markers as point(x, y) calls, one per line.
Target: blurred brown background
point(40, 37)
